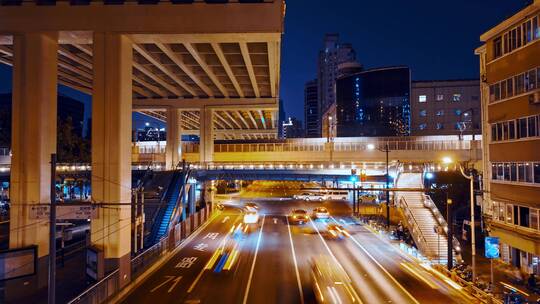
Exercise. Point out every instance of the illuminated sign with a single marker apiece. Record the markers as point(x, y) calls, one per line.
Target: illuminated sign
point(492, 247)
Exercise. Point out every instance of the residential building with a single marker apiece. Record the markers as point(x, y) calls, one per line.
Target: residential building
point(445, 107)
point(374, 102)
point(292, 128)
point(510, 75)
point(312, 110)
point(331, 56)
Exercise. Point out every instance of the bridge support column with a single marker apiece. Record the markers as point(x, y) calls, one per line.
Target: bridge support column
point(33, 140)
point(206, 137)
point(173, 151)
point(111, 150)
point(191, 198)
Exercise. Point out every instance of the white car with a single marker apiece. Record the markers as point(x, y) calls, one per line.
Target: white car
point(321, 213)
point(311, 197)
point(251, 217)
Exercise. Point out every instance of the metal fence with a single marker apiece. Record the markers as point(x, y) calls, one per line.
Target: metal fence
point(109, 286)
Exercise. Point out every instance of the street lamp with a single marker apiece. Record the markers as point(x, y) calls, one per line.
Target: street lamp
point(448, 160)
point(386, 150)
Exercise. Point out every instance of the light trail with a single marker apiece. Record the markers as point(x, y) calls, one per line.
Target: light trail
point(254, 261)
point(295, 263)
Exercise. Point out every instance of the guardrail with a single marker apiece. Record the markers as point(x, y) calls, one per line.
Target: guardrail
point(478, 293)
point(428, 203)
point(107, 287)
point(414, 228)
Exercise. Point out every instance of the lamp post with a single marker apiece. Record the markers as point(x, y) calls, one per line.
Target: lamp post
point(466, 113)
point(473, 226)
point(450, 234)
point(448, 160)
point(386, 150)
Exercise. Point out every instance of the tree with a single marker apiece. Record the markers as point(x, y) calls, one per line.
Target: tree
point(70, 147)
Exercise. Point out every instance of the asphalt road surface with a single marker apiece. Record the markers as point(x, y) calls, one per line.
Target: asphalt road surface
point(271, 262)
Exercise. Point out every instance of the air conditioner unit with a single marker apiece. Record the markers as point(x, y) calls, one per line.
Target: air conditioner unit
point(534, 98)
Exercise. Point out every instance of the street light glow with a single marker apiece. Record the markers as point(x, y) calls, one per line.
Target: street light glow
point(447, 160)
point(371, 147)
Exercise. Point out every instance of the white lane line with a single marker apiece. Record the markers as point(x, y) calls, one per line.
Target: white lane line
point(254, 261)
point(295, 263)
point(380, 266)
point(192, 286)
point(330, 251)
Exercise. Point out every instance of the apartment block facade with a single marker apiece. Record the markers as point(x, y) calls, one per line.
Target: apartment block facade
point(510, 86)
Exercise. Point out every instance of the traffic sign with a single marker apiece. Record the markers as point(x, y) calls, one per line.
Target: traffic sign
point(65, 212)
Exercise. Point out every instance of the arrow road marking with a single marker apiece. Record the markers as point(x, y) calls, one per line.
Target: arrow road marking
point(225, 219)
point(169, 278)
point(174, 284)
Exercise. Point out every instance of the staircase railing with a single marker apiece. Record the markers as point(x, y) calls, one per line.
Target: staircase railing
point(163, 201)
point(428, 203)
point(413, 226)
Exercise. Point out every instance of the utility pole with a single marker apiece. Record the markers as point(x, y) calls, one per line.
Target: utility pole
point(450, 231)
point(52, 234)
point(473, 224)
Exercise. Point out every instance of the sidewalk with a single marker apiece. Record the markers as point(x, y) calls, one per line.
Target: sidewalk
point(502, 273)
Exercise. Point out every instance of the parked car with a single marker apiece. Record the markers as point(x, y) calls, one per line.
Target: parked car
point(368, 198)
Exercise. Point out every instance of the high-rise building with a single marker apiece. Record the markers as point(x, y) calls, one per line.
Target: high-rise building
point(445, 107)
point(312, 110)
point(510, 75)
point(331, 56)
point(371, 103)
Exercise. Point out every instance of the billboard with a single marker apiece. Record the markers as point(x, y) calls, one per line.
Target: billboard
point(492, 247)
point(17, 263)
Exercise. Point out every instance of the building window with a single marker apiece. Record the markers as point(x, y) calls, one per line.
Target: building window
point(456, 97)
point(422, 126)
point(521, 35)
point(457, 112)
point(423, 113)
point(440, 112)
point(422, 98)
point(518, 84)
point(440, 126)
point(440, 97)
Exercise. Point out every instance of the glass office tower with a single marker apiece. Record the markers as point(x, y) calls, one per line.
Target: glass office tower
point(374, 102)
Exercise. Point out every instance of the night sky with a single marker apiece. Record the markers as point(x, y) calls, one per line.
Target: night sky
point(436, 39)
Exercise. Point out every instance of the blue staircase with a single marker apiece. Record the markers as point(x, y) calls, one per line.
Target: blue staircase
point(167, 208)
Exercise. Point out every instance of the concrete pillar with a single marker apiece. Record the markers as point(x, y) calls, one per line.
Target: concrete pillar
point(191, 198)
point(173, 151)
point(33, 140)
point(111, 150)
point(206, 137)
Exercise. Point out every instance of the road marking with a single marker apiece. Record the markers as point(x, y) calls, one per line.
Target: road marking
point(174, 284)
point(200, 246)
point(225, 219)
point(380, 266)
point(186, 262)
point(205, 267)
point(254, 261)
point(295, 262)
point(332, 254)
point(418, 275)
point(167, 280)
point(275, 220)
point(211, 235)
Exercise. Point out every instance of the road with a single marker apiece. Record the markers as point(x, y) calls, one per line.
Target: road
point(272, 264)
